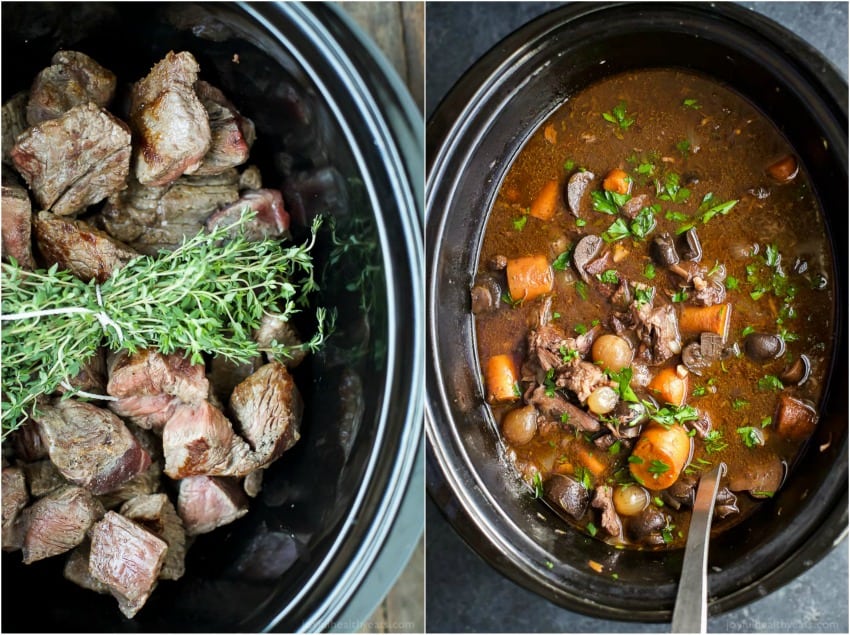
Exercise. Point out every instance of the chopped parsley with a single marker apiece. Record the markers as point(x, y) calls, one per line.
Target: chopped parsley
point(619, 116)
point(679, 217)
point(519, 223)
point(671, 190)
point(614, 448)
point(658, 502)
point(623, 378)
point(738, 404)
point(714, 442)
point(569, 164)
point(565, 417)
point(591, 529)
point(680, 296)
point(537, 485)
point(750, 436)
point(699, 391)
point(507, 299)
point(608, 202)
point(581, 289)
point(709, 208)
point(617, 231)
point(549, 382)
point(649, 271)
point(667, 533)
point(647, 169)
point(747, 330)
point(692, 103)
point(684, 146)
point(580, 222)
point(635, 459)
point(766, 421)
point(770, 382)
point(644, 222)
point(671, 415)
point(732, 283)
point(584, 477)
point(643, 295)
point(609, 276)
point(568, 354)
point(517, 391)
point(657, 467)
point(562, 262)
point(581, 329)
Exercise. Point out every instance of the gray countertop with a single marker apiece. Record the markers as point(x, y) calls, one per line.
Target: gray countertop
point(465, 594)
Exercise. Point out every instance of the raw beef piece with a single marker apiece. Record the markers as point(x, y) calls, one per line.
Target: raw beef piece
point(75, 160)
point(172, 124)
point(127, 558)
point(73, 79)
point(15, 498)
point(271, 221)
point(58, 522)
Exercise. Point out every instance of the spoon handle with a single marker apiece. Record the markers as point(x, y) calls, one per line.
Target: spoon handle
point(690, 613)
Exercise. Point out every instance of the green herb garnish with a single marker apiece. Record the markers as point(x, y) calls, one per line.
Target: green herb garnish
point(619, 116)
point(709, 208)
point(714, 442)
point(609, 276)
point(770, 382)
point(519, 223)
point(750, 436)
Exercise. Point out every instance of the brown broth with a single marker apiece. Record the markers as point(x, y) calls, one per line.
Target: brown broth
point(730, 144)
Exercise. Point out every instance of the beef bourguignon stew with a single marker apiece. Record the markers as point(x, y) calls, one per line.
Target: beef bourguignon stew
point(654, 296)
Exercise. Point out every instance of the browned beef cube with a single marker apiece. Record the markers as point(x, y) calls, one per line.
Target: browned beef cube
point(58, 522)
point(43, 477)
point(171, 122)
point(73, 79)
point(127, 558)
point(153, 218)
point(77, 569)
point(795, 420)
point(15, 498)
point(75, 245)
point(149, 412)
point(200, 440)
point(206, 502)
point(271, 221)
point(149, 372)
point(91, 447)
point(27, 443)
point(14, 123)
point(273, 329)
point(148, 482)
point(268, 407)
point(156, 514)
point(17, 226)
point(231, 134)
point(76, 160)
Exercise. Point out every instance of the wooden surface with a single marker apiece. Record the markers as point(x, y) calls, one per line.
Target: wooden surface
point(398, 28)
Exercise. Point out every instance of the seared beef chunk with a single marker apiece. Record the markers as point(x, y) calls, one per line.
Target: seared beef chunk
point(795, 419)
point(43, 477)
point(555, 408)
point(17, 226)
point(603, 499)
point(273, 329)
point(709, 291)
point(632, 207)
point(231, 134)
point(88, 253)
point(27, 443)
point(153, 218)
point(127, 558)
point(15, 498)
point(76, 160)
point(205, 503)
point(268, 407)
point(77, 569)
point(658, 330)
point(58, 522)
point(72, 80)
point(200, 440)
point(548, 345)
point(91, 447)
point(14, 123)
point(150, 386)
point(156, 514)
point(92, 376)
point(148, 482)
point(567, 494)
point(171, 122)
point(271, 221)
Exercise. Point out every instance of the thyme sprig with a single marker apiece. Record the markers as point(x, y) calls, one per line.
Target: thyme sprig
point(206, 296)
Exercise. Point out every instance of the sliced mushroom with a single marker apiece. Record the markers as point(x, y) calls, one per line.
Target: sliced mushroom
point(632, 207)
point(689, 246)
point(692, 358)
point(567, 494)
point(725, 503)
point(761, 474)
point(577, 187)
point(798, 372)
point(646, 527)
point(795, 419)
point(762, 347)
point(663, 250)
point(585, 252)
point(485, 296)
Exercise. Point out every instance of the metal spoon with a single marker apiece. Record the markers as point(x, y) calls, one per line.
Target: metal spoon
point(690, 613)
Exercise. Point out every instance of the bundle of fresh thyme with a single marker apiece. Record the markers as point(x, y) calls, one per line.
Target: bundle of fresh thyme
point(207, 296)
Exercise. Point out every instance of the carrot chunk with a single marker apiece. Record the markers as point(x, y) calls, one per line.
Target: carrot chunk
point(660, 455)
point(617, 181)
point(501, 379)
point(546, 203)
point(706, 319)
point(529, 277)
point(669, 387)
